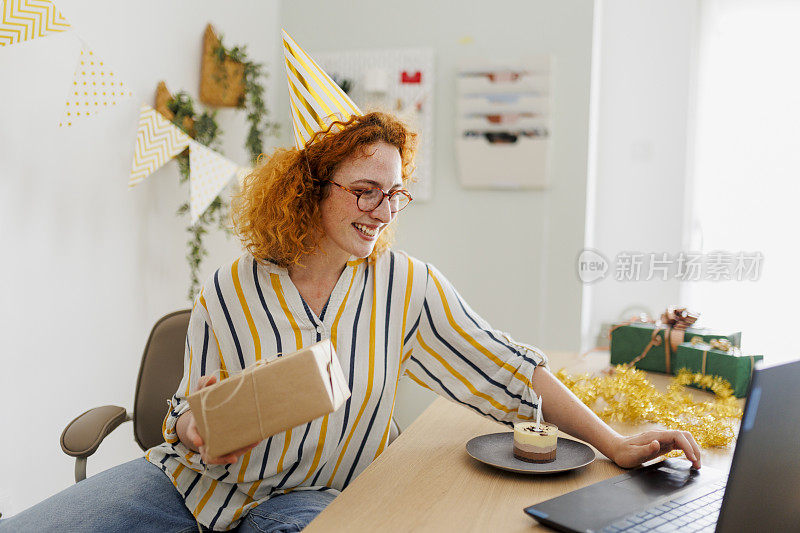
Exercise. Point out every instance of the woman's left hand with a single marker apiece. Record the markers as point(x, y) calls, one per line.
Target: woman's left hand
point(630, 452)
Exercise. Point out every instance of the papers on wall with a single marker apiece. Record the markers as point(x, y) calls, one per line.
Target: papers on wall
point(503, 125)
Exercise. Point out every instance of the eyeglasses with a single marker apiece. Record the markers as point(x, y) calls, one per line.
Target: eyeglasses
point(368, 200)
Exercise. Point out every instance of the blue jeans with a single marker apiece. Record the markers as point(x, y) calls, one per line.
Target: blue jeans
point(138, 496)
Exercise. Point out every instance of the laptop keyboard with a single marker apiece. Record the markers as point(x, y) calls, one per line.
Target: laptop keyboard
point(697, 512)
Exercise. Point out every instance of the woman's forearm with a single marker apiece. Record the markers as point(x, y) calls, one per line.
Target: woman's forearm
point(181, 429)
point(562, 408)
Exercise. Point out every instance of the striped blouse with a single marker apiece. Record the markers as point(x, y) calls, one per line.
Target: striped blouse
point(387, 318)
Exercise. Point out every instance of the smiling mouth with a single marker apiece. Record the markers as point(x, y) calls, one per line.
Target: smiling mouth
point(366, 230)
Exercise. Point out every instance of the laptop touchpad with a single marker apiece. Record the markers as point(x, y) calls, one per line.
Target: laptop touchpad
point(658, 481)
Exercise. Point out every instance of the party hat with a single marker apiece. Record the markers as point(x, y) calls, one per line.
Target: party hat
point(315, 100)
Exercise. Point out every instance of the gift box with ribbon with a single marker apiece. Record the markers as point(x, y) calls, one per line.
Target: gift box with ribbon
point(717, 358)
point(269, 397)
point(651, 345)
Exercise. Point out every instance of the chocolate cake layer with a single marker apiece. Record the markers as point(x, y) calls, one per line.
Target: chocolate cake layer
point(534, 457)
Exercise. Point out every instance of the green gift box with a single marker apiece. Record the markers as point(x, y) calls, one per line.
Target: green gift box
point(733, 367)
point(646, 343)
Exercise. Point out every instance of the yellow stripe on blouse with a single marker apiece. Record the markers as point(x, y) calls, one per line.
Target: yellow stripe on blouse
point(246, 309)
point(417, 380)
point(276, 283)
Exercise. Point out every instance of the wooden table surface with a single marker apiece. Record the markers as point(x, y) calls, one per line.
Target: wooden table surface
point(425, 481)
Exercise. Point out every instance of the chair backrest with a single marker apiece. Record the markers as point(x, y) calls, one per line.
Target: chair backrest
point(159, 376)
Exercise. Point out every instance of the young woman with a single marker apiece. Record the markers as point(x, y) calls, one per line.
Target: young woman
point(315, 225)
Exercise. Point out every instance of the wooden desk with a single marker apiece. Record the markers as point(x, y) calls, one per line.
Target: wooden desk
point(425, 481)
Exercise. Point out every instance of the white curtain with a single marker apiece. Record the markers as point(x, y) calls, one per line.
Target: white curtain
point(747, 171)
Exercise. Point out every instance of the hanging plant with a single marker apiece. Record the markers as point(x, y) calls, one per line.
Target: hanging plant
point(230, 79)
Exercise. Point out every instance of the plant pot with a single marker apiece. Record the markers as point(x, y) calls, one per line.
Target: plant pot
point(221, 82)
point(163, 97)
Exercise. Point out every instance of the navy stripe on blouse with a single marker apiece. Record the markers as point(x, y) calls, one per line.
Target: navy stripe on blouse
point(453, 396)
point(467, 360)
point(228, 318)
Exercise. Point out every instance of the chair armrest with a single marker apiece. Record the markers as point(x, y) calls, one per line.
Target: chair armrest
point(83, 435)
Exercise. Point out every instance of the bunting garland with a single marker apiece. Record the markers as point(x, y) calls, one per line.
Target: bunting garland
point(209, 173)
point(25, 20)
point(96, 87)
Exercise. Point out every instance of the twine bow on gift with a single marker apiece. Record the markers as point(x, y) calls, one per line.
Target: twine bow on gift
point(248, 370)
point(674, 323)
point(722, 345)
point(679, 317)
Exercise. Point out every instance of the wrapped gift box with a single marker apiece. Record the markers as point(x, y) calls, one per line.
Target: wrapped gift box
point(629, 341)
point(268, 398)
point(732, 367)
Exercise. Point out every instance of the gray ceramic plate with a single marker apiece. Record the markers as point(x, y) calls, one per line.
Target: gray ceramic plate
point(497, 449)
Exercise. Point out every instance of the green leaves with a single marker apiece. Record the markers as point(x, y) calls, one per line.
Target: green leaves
point(208, 133)
point(253, 100)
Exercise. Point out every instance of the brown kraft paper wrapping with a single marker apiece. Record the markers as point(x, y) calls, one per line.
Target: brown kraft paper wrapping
point(268, 398)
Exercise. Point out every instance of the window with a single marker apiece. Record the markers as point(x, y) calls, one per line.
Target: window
point(746, 169)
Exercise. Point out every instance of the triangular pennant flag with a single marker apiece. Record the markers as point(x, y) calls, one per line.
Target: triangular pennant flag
point(94, 88)
point(315, 99)
point(157, 141)
point(24, 20)
point(209, 172)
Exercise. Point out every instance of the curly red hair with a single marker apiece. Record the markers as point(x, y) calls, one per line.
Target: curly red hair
point(276, 214)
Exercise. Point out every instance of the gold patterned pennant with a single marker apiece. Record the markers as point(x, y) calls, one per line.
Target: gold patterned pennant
point(157, 141)
point(24, 20)
point(209, 172)
point(95, 87)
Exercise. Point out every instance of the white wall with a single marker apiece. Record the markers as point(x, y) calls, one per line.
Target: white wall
point(510, 254)
point(88, 265)
point(646, 53)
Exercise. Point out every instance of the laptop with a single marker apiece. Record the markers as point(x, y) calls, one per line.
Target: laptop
point(760, 493)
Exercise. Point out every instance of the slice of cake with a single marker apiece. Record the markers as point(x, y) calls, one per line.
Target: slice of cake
point(535, 446)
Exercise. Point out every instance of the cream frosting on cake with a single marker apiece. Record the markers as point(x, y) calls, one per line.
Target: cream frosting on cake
point(535, 445)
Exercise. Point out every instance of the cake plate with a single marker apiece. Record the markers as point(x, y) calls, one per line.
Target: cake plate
point(497, 450)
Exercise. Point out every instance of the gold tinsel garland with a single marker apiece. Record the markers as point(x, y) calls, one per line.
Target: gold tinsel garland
point(626, 396)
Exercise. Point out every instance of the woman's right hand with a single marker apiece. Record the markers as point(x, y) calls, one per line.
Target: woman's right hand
point(194, 435)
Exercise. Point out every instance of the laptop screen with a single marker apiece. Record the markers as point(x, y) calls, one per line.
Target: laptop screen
point(763, 492)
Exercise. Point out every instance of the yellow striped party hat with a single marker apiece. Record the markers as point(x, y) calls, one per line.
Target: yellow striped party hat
point(314, 98)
